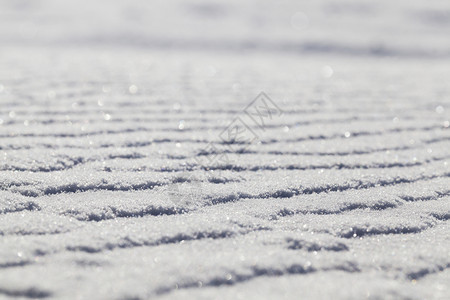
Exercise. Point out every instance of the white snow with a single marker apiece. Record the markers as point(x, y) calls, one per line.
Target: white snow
point(113, 182)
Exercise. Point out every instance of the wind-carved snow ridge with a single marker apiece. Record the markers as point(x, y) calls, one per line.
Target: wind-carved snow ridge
point(260, 113)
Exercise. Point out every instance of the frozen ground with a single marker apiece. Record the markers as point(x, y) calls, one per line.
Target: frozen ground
point(109, 188)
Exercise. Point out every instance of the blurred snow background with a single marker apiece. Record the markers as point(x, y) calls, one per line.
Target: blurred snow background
point(412, 28)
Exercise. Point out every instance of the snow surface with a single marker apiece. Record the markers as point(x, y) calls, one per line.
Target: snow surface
point(112, 184)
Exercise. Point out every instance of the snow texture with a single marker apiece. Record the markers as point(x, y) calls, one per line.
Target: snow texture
point(116, 181)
